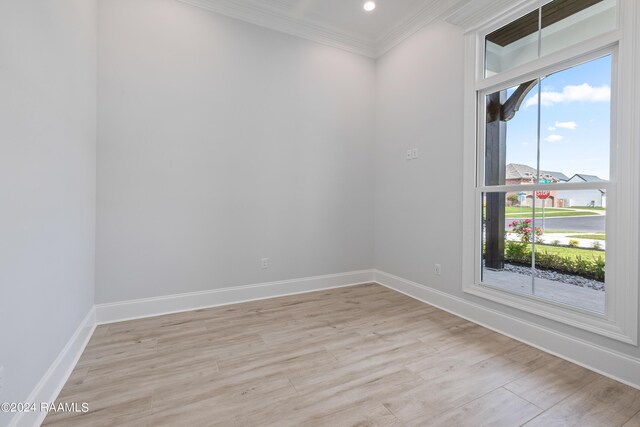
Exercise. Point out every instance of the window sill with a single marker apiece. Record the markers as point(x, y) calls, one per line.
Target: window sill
point(582, 319)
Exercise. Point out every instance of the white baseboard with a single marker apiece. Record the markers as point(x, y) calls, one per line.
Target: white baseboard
point(607, 362)
point(47, 390)
point(148, 307)
point(612, 364)
point(51, 384)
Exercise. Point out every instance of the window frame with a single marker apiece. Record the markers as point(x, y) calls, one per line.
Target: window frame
point(620, 320)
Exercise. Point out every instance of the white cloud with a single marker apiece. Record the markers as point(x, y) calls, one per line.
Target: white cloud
point(584, 92)
point(554, 138)
point(551, 128)
point(567, 125)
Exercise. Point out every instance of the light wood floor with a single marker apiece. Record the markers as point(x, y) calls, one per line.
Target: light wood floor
point(357, 356)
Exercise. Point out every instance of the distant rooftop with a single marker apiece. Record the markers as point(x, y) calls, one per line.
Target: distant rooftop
point(588, 178)
point(519, 171)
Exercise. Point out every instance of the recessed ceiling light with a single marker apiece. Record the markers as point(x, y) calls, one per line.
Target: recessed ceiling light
point(369, 6)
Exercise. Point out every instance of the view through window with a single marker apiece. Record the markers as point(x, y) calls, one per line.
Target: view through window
point(551, 136)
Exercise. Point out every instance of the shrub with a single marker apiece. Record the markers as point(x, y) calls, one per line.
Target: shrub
point(591, 268)
point(513, 199)
point(581, 265)
point(597, 245)
point(573, 243)
point(599, 267)
point(556, 243)
point(525, 230)
point(518, 252)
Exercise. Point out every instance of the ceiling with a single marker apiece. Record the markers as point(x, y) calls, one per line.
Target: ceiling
point(339, 23)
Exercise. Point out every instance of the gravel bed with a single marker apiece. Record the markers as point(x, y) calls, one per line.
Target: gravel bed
point(557, 277)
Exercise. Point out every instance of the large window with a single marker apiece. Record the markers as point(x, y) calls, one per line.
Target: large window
point(552, 186)
point(543, 235)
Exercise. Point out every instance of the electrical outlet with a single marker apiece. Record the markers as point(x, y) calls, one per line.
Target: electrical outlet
point(437, 269)
point(409, 154)
point(264, 263)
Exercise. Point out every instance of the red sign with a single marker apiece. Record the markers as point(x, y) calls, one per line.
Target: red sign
point(542, 194)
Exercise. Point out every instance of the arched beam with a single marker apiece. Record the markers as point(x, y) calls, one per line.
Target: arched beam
point(512, 105)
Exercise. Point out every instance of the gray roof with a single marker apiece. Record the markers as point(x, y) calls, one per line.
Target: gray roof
point(588, 178)
point(559, 175)
point(518, 171)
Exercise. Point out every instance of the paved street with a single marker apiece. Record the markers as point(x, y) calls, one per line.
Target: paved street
point(592, 224)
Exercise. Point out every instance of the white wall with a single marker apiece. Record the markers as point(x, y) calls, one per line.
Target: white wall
point(419, 104)
point(220, 143)
point(418, 203)
point(47, 183)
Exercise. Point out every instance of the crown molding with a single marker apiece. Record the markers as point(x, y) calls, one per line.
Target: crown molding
point(476, 13)
point(276, 18)
point(276, 15)
point(427, 14)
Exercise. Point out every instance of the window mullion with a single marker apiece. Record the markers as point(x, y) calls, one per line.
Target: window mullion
point(565, 186)
point(568, 57)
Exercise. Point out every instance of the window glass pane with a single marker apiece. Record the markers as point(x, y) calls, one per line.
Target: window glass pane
point(511, 139)
point(512, 45)
point(570, 253)
point(575, 120)
point(567, 22)
point(506, 234)
point(562, 232)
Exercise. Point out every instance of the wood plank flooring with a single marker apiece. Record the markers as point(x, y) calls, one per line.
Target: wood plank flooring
point(356, 356)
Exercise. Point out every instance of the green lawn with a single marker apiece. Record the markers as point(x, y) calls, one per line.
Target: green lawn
point(594, 236)
point(564, 251)
point(588, 207)
point(549, 215)
point(516, 212)
point(578, 235)
point(525, 209)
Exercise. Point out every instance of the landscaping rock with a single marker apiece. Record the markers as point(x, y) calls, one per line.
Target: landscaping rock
point(558, 277)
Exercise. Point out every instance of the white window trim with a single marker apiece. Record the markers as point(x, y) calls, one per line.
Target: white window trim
point(621, 319)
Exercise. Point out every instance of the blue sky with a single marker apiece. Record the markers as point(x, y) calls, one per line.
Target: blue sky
point(575, 122)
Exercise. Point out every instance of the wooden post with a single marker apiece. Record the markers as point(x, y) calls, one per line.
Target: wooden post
point(499, 111)
point(495, 174)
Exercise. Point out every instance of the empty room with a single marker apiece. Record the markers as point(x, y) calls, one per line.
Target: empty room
point(319, 213)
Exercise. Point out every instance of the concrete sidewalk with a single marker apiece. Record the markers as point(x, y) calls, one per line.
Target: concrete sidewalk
point(563, 239)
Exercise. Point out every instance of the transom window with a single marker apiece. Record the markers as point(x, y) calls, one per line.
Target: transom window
point(556, 25)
